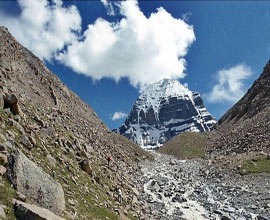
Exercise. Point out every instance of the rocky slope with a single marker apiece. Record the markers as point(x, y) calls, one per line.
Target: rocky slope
point(164, 110)
point(246, 126)
point(54, 148)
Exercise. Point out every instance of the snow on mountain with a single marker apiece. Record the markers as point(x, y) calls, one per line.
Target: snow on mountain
point(163, 110)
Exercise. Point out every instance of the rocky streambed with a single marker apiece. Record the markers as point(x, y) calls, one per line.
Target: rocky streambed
point(197, 189)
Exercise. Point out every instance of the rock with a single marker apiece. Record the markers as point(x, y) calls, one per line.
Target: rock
point(178, 198)
point(3, 147)
point(47, 132)
point(86, 167)
point(8, 145)
point(71, 202)
point(11, 101)
point(2, 212)
point(173, 162)
point(226, 217)
point(34, 183)
point(51, 160)
point(26, 211)
point(24, 140)
point(17, 125)
point(16, 110)
point(20, 196)
point(135, 191)
point(3, 159)
point(32, 140)
point(3, 170)
point(69, 215)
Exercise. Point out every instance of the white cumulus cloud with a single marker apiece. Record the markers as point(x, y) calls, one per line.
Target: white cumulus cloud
point(143, 49)
point(230, 87)
point(140, 48)
point(118, 115)
point(44, 27)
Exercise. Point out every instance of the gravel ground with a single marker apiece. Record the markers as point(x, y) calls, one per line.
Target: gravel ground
point(195, 189)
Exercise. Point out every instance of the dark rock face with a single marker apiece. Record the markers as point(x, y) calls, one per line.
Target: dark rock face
point(245, 127)
point(164, 110)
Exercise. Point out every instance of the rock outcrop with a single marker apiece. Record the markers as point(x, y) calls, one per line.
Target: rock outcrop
point(34, 183)
point(164, 110)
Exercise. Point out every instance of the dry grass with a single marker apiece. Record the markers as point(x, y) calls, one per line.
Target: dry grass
point(186, 146)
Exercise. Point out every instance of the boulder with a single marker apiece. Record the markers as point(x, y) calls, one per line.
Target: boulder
point(3, 147)
point(2, 212)
point(3, 170)
point(11, 101)
point(51, 160)
point(86, 167)
point(26, 211)
point(24, 140)
point(3, 159)
point(34, 183)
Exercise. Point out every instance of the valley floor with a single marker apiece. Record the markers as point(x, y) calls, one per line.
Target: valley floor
point(195, 189)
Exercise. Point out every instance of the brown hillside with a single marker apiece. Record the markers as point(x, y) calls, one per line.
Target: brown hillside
point(246, 126)
point(62, 135)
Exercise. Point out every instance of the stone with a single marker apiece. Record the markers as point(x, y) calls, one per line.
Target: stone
point(69, 215)
point(3, 170)
point(32, 140)
point(178, 198)
point(11, 101)
point(8, 145)
point(26, 211)
point(30, 180)
point(51, 160)
point(24, 140)
point(3, 159)
point(226, 217)
point(2, 212)
point(3, 147)
point(71, 202)
point(20, 196)
point(173, 162)
point(86, 167)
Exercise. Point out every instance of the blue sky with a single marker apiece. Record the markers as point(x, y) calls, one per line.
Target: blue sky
point(220, 46)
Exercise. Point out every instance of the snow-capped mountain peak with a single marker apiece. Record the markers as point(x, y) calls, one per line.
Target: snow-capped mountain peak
point(163, 110)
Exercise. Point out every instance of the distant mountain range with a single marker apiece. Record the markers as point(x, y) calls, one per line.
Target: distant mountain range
point(163, 110)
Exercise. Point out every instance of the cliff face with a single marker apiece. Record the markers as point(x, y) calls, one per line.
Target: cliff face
point(246, 126)
point(164, 110)
point(45, 121)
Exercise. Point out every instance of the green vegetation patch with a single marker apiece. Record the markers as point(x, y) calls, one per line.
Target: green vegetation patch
point(258, 165)
point(186, 146)
point(7, 193)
